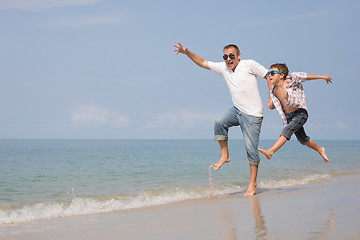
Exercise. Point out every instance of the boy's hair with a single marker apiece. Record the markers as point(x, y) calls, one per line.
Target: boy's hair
point(282, 68)
point(234, 46)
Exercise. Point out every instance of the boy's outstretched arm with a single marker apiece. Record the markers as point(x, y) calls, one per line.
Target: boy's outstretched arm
point(195, 58)
point(314, 77)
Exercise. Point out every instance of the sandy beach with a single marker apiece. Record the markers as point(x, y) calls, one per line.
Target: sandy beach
point(327, 210)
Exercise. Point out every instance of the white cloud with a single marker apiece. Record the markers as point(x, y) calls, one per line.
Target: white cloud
point(85, 21)
point(341, 125)
point(181, 119)
point(304, 16)
point(118, 120)
point(96, 116)
point(42, 4)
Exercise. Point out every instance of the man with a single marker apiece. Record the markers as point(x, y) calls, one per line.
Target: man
point(241, 78)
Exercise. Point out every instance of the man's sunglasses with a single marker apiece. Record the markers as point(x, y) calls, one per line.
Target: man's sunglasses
point(231, 56)
point(272, 73)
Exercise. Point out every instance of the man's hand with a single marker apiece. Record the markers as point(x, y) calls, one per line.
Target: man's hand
point(195, 58)
point(180, 49)
point(328, 79)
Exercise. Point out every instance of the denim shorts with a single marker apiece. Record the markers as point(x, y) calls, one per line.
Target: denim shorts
point(250, 127)
point(296, 121)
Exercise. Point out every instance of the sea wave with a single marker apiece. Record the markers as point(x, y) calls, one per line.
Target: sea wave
point(102, 204)
point(291, 182)
point(93, 205)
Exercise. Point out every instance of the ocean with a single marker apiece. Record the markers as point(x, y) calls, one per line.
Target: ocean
point(47, 179)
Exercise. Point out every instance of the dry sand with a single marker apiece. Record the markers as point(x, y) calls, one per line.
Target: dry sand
point(328, 210)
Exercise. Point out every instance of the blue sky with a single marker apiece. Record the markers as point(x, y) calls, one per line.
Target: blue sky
point(106, 68)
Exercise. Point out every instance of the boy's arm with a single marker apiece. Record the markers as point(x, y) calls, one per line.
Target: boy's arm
point(314, 77)
point(195, 58)
point(270, 103)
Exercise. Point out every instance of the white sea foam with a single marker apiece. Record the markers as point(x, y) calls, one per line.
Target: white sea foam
point(297, 181)
point(87, 205)
point(92, 205)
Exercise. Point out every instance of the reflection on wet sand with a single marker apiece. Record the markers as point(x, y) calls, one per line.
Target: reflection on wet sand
point(260, 228)
point(261, 232)
point(331, 222)
point(326, 230)
point(230, 232)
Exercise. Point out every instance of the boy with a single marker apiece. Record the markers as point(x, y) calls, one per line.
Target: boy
point(288, 97)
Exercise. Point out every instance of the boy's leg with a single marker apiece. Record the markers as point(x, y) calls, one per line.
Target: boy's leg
point(221, 128)
point(295, 120)
point(279, 143)
point(320, 150)
point(305, 140)
point(251, 126)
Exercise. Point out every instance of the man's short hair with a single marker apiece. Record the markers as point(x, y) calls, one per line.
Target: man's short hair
point(282, 68)
point(232, 46)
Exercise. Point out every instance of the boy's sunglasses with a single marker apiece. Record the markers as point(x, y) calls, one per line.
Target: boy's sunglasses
point(272, 73)
point(231, 56)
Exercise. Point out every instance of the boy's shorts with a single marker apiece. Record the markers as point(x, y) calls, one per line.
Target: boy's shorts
point(296, 121)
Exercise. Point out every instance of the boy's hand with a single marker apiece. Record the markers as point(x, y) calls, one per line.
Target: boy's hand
point(270, 104)
point(328, 79)
point(180, 49)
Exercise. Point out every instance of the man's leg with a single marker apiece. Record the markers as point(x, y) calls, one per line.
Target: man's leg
point(252, 184)
point(251, 127)
point(221, 128)
point(225, 157)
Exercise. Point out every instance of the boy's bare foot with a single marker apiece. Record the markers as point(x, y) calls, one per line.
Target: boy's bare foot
point(251, 191)
point(267, 153)
point(221, 162)
point(322, 153)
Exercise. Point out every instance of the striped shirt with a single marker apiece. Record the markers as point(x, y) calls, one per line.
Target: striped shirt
point(296, 94)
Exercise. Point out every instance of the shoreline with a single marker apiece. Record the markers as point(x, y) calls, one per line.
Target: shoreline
point(327, 210)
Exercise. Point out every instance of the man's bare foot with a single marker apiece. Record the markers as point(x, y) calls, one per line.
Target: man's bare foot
point(221, 162)
point(251, 191)
point(267, 153)
point(322, 153)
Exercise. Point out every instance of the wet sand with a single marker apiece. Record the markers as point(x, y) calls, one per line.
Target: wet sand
point(328, 210)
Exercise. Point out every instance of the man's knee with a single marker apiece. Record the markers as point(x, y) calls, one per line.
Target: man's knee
point(221, 138)
point(219, 122)
point(254, 162)
point(220, 129)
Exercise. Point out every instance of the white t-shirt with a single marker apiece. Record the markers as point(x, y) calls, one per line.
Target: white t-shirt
point(243, 84)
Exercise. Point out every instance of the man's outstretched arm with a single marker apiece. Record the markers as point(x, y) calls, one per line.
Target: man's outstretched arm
point(195, 58)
